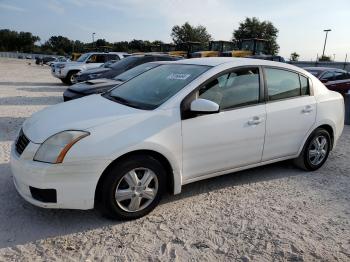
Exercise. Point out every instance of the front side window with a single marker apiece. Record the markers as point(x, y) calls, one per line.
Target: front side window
point(282, 84)
point(155, 86)
point(340, 75)
point(237, 88)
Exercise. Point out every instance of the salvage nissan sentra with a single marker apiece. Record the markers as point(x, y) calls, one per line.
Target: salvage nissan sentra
point(172, 125)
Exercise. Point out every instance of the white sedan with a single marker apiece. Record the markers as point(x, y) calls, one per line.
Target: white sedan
point(175, 124)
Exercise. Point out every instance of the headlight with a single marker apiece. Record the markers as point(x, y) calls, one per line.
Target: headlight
point(55, 148)
point(93, 76)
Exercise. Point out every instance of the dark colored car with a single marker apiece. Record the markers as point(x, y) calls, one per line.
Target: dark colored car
point(44, 60)
point(333, 78)
point(102, 85)
point(121, 66)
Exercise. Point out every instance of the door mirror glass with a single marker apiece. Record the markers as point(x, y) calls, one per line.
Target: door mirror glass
point(204, 106)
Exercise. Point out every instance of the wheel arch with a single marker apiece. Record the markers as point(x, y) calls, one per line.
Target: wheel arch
point(160, 157)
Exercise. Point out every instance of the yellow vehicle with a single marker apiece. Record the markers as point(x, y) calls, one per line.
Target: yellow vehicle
point(247, 47)
point(186, 49)
point(75, 56)
point(216, 48)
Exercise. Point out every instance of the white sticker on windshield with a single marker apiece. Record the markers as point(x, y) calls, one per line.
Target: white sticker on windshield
point(177, 76)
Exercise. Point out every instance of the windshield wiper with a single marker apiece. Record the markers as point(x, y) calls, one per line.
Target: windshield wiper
point(122, 101)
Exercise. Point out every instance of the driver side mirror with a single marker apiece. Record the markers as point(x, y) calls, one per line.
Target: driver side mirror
point(204, 106)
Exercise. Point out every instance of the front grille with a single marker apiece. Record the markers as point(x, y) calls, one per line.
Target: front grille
point(21, 143)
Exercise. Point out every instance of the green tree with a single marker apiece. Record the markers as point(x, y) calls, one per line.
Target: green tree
point(122, 46)
point(187, 32)
point(14, 41)
point(59, 44)
point(294, 56)
point(325, 58)
point(254, 28)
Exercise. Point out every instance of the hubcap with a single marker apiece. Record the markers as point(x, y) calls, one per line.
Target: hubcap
point(136, 190)
point(73, 79)
point(318, 150)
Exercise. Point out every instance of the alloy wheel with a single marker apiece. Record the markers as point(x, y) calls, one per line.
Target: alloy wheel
point(318, 150)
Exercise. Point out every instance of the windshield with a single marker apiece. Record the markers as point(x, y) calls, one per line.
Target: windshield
point(152, 88)
point(135, 71)
point(125, 62)
point(83, 57)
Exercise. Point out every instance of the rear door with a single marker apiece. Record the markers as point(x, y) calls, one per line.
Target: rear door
point(290, 112)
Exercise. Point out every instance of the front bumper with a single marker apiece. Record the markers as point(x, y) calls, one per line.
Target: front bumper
point(58, 72)
point(74, 183)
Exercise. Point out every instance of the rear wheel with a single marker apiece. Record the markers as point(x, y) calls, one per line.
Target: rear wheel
point(132, 188)
point(315, 151)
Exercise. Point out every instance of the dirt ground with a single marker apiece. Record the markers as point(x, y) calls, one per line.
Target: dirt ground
point(271, 213)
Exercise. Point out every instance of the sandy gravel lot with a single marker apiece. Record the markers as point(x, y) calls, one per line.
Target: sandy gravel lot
point(271, 213)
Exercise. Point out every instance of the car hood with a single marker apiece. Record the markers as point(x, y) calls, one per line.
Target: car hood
point(79, 114)
point(66, 64)
point(91, 85)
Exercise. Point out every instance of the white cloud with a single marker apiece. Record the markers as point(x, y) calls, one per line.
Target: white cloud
point(55, 6)
point(11, 8)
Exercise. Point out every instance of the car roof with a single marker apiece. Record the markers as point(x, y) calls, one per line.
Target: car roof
point(320, 68)
point(233, 61)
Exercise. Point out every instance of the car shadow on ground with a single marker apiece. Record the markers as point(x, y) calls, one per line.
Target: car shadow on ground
point(31, 101)
point(9, 127)
point(43, 89)
point(30, 223)
point(29, 84)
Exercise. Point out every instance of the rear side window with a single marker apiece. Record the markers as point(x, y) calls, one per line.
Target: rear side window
point(282, 84)
point(112, 57)
point(305, 87)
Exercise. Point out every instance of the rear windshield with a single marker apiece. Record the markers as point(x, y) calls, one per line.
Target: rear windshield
point(135, 71)
point(152, 88)
point(314, 72)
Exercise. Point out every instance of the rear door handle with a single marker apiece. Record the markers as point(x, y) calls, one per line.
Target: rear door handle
point(255, 121)
point(307, 109)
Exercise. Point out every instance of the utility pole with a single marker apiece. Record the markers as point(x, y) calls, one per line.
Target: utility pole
point(325, 41)
point(93, 40)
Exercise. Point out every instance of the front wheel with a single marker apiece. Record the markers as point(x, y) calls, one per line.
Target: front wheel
point(315, 151)
point(132, 188)
point(71, 79)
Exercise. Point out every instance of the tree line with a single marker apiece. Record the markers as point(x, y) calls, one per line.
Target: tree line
point(61, 45)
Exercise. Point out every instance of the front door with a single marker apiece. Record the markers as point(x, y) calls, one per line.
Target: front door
point(232, 138)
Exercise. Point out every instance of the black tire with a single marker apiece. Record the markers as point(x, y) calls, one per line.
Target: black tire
point(303, 161)
point(64, 81)
point(107, 203)
point(69, 78)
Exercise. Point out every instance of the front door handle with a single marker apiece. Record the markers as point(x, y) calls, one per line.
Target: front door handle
point(255, 121)
point(307, 109)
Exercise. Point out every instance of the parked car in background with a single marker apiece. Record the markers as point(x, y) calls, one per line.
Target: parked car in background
point(333, 78)
point(174, 124)
point(57, 60)
point(66, 71)
point(122, 66)
point(101, 85)
point(44, 59)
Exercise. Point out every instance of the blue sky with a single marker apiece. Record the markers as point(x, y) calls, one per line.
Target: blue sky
point(300, 22)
